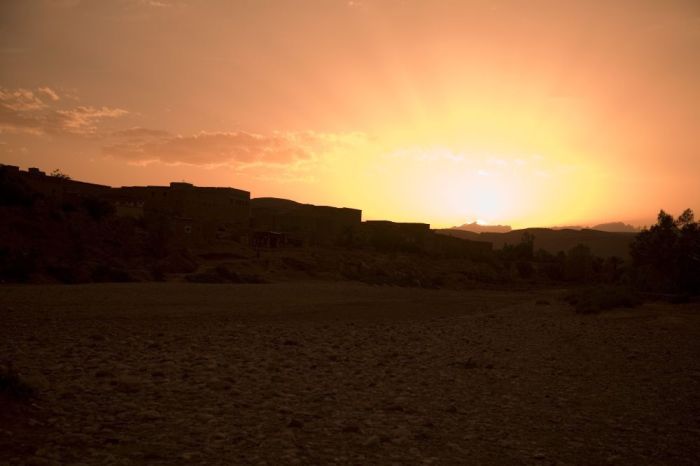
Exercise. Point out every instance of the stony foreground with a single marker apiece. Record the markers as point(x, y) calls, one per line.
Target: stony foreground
point(344, 374)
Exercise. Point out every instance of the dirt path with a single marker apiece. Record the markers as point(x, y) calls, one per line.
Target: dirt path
point(345, 374)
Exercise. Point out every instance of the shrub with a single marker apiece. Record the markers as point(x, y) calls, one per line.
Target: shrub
point(68, 274)
point(13, 385)
point(16, 266)
point(56, 173)
point(592, 300)
point(157, 274)
point(97, 208)
point(174, 262)
point(553, 270)
point(579, 264)
point(523, 251)
point(106, 273)
point(525, 269)
point(221, 274)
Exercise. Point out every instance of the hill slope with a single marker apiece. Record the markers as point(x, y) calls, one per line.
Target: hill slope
point(601, 243)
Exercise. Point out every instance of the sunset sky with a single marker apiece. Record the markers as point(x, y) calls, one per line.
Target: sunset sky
point(527, 113)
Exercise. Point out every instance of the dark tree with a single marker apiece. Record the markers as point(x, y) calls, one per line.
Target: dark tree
point(523, 251)
point(59, 174)
point(579, 265)
point(666, 257)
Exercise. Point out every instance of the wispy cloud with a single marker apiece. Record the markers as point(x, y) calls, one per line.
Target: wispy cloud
point(143, 145)
point(39, 111)
point(21, 100)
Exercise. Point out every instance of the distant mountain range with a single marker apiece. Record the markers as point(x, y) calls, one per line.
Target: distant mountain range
point(613, 227)
point(601, 243)
point(476, 228)
point(618, 227)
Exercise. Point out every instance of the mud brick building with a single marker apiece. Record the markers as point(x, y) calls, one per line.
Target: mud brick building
point(305, 224)
point(53, 187)
point(193, 213)
point(415, 237)
point(384, 234)
point(197, 215)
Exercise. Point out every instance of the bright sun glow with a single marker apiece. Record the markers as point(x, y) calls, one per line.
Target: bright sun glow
point(448, 185)
point(436, 112)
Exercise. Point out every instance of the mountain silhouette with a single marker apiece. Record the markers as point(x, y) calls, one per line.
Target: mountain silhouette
point(616, 227)
point(476, 228)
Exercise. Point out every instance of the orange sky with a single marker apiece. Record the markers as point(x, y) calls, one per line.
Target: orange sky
point(527, 113)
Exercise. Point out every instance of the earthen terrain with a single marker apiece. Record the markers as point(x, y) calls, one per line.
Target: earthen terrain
point(343, 373)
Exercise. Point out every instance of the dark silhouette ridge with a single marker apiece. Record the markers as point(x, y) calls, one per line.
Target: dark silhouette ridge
point(605, 244)
point(476, 228)
point(566, 227)
point(101, 233)
point(216, 234)
point(192, 216)
point(616, 227)
point(611, 227)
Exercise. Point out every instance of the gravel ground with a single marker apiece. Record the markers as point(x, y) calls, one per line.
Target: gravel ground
point(341, 373)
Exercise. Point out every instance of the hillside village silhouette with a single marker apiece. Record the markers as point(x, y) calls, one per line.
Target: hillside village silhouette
point(197, 215)
point(103, 233)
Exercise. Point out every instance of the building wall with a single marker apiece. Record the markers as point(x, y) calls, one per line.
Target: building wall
point(305, 223)
point(60, 189)
point(198, 213)
point(387, 235)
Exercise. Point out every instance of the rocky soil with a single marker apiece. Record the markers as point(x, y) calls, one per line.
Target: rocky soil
point(342, 373)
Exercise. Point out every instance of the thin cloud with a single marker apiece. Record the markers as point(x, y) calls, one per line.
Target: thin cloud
point(21, 100)
point(83, 120)
point(142, 145)
point(38, 112)
point(157, 3)
point(49, 93)
point(138, 133)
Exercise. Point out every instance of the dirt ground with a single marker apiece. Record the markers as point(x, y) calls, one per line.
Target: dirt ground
point(342, 373)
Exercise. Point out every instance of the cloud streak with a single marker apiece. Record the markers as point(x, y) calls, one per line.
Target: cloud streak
point(39, 111)
point(143, 145)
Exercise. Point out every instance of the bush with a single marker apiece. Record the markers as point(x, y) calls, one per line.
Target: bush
point(106, 273)
point(552, 270)
point(174, 262)
point(16, 267)
point(523, 251)
point(68, 274)
point(525, 269)
point(13, 385)
point(600, 298)
point(157, 274)
point(221, 274)
point(97, 208)
point(579, 264)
